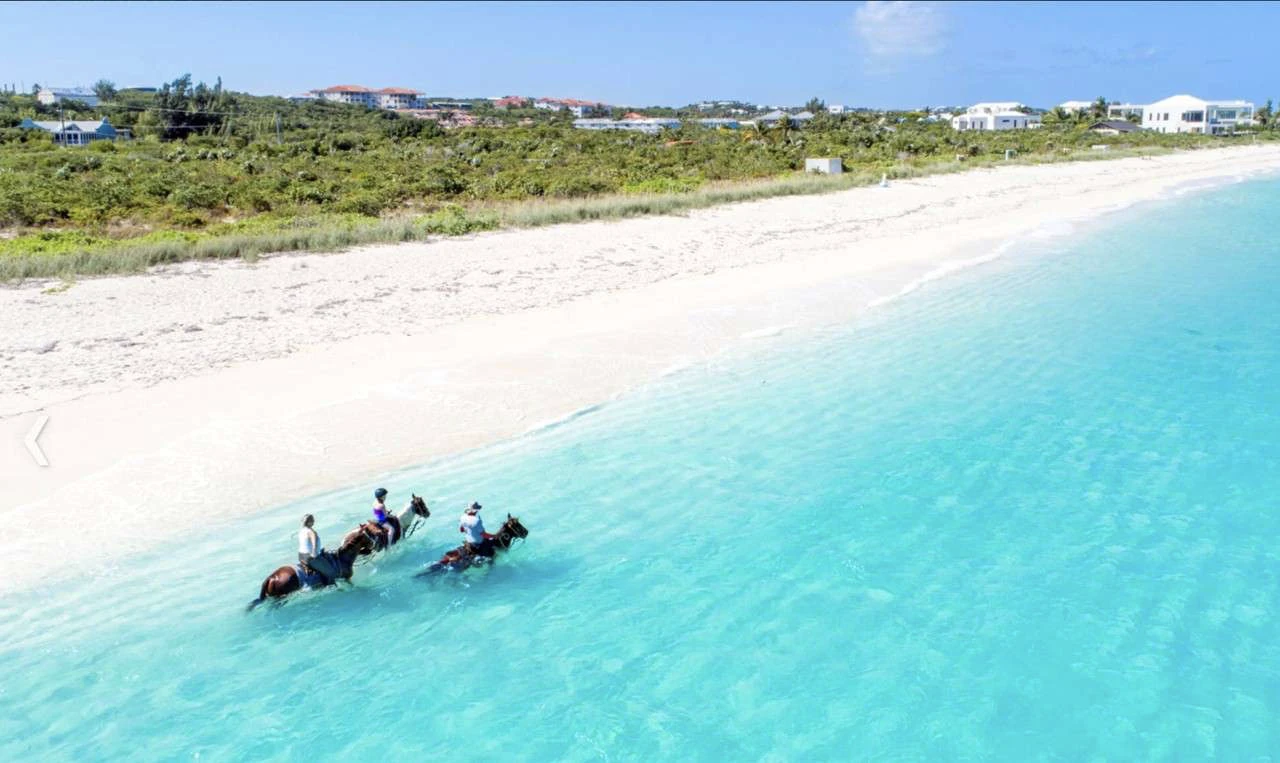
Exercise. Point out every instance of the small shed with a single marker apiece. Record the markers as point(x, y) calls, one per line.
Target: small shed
point(824, 165)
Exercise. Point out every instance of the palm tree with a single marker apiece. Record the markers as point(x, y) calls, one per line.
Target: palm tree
point(1059, 115)
point(1099, 108)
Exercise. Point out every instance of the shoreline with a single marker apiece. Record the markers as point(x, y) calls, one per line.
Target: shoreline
point(307, 373)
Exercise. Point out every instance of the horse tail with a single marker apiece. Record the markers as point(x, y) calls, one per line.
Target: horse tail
point(262, 595)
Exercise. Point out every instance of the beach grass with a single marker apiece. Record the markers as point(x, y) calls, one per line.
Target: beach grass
point(66, 254)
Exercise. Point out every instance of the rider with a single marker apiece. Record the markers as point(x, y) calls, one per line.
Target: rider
point(308, 542)
point(477, 540)
point(380, 514)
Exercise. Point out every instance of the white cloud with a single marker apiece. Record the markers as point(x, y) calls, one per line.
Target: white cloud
point(895, 30)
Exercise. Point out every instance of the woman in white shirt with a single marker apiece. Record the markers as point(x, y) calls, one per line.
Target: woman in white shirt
point(308, 541)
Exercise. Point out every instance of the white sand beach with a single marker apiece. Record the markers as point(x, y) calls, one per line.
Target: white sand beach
point(205, 392)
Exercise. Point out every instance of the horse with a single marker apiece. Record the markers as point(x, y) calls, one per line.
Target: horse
point(404, 524)
point(465, 556)
point(285, 580)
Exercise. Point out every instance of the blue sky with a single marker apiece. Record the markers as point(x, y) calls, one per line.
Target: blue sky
point(880, 54)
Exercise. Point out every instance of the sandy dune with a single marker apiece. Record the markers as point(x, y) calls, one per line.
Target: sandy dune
point(215, 390)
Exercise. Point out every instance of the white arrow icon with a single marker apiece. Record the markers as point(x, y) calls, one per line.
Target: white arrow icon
point(31, 441)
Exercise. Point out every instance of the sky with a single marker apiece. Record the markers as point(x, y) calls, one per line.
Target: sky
point(874, 54)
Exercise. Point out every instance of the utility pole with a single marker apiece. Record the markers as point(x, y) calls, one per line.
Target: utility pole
point(278, 140)
point(62, 116)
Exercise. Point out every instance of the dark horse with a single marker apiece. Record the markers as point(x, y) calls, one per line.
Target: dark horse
point(402, 525)
point(285, 581)
point(465, 556)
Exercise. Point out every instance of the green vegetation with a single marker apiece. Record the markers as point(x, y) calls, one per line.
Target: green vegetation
point(213, 174)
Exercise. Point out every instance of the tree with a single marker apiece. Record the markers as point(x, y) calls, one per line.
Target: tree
point(181, 110)
point(1099, 108)
point(1265, 113)
point(1058, 115)
point(35, 89)
point(105, 89)
point(814, 105)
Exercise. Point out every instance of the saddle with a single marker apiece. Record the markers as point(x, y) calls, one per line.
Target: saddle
point(382, 533)
point(324, 570)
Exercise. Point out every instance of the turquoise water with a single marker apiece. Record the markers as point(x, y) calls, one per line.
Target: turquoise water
point(1026, 513)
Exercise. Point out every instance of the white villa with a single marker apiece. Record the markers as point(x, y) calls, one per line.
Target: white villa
point(995, 115)
point(1188, 114)
point(386, 98)
point(577, 108)
point(652, 126)
point(1125, 111)
point(1075, 107)
point(51, 95)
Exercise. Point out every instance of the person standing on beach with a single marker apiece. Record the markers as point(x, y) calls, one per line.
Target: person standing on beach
point(308, 542)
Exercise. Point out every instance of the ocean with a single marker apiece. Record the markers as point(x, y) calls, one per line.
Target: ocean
point(1025, 512)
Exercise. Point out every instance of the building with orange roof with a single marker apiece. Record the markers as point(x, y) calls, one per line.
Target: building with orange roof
point(511, 102)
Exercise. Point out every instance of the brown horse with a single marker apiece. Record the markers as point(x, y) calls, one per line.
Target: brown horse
point(402, 525)
point(466, 555)
point(284, 580)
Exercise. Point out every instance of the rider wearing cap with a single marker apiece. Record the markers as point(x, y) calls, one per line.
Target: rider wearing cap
point(380, 514)
point(477, 540)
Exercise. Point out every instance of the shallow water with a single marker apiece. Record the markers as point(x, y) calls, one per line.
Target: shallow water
point(1026, 512)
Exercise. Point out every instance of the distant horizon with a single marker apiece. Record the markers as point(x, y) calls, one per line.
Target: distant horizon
point(872, 55)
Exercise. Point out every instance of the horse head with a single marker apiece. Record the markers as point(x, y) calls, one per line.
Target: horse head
point(419, 507)
point(513, 527)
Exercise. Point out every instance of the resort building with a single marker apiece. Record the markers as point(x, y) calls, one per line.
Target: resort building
point(1075, 107)
point(386, 98)
point(579, 109)
point(51, 95)
point(1126, 111)
point(1188, 114)
point(996, 115)
point(73, 132)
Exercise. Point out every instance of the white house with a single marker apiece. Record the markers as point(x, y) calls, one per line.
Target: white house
point(356, 95)
point(399, 98)
point(1188, 114)
point(994, 107)
point(574, 106)
point(51, 95)
point(73, 132)
point(836, 108)
point(651, 126)
point(1075, 107)
point(1126, 111)
point(997, 115)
